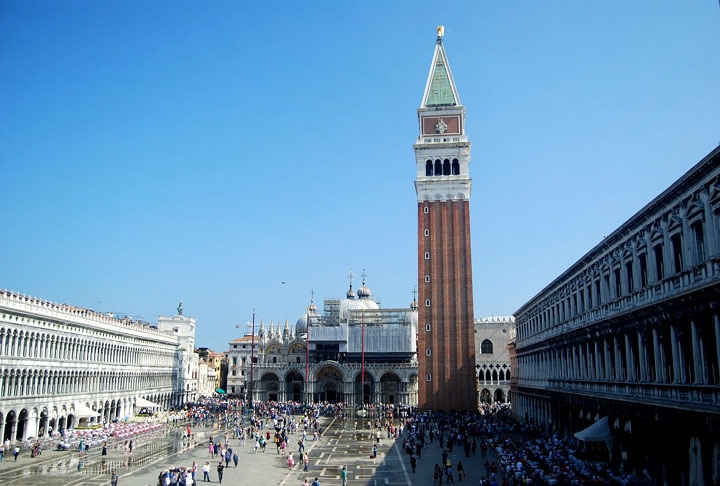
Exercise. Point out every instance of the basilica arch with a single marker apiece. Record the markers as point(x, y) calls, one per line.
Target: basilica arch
point(269, 388)
point(294, 387)
point(364, 389)
point(329, 384)
point(389, 388)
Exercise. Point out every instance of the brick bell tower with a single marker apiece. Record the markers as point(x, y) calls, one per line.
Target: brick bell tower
point(446, 338)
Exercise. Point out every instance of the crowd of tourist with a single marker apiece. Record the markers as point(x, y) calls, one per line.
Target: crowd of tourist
point(258, 425)
point(513, 452)
point(521, 453)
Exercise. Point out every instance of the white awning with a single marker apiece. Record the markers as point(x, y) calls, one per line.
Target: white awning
point(599, 431)
point(83, 411)
point(142, 403)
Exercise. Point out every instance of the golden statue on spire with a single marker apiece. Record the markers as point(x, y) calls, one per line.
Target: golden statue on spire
point(440, 30)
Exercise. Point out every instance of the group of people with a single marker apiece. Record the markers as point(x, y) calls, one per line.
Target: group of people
point(261, 423)
point(8, 448)
point(521, 452)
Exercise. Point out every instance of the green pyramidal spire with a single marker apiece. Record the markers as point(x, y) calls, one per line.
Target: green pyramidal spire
point(440, 89)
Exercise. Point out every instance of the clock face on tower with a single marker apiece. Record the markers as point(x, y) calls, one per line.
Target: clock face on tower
point(445, 125)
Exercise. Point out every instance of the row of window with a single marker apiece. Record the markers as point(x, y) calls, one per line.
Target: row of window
point(32, 383)
point(641, 265)
point(488, 377)
point(494, 376)
point(442, 167)
point(486, 347)
point(671, 352)
point(23, 344)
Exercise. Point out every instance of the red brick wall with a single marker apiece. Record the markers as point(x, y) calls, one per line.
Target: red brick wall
point(451, 338)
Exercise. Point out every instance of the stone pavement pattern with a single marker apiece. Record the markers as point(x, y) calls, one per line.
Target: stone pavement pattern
point(340, 445)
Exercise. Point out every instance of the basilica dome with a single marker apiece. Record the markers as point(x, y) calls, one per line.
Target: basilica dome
point(301, 324)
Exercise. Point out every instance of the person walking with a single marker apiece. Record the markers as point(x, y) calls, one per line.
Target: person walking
point(343, 476)
point(460, 471)
point(306, 461)
point(113, 478)
point(206, 471)
point(220, 468)
point(235, 459)
point(290, 461)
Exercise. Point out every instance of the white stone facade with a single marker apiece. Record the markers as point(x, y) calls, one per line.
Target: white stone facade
point(63, 367)
point(187, 360)
point(238, 358)
point(492, 336)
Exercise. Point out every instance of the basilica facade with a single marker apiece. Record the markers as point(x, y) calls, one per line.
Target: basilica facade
point(352, 351)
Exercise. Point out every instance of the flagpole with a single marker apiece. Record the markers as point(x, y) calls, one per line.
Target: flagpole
point(362, 358)
point(252, 360)
point(307, 358)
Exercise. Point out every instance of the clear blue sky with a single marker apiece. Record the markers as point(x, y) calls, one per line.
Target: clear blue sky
point(237, 155)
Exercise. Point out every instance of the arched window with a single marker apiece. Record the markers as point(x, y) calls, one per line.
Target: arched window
point(486, 347)
point(455, 167)
point(446, 167)
point(438, 167)
point(428, 168)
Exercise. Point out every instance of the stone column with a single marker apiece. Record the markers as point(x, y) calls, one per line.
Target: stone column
point(716, 320)
point(677, 365)
point(658, 358)
point(629, 361)
point(619, 370)
point(698, 356)
point(642, 357)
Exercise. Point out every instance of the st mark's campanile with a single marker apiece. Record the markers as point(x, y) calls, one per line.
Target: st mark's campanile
point(446, 340)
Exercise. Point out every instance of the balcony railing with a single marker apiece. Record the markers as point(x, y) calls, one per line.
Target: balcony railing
point(686, 396)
